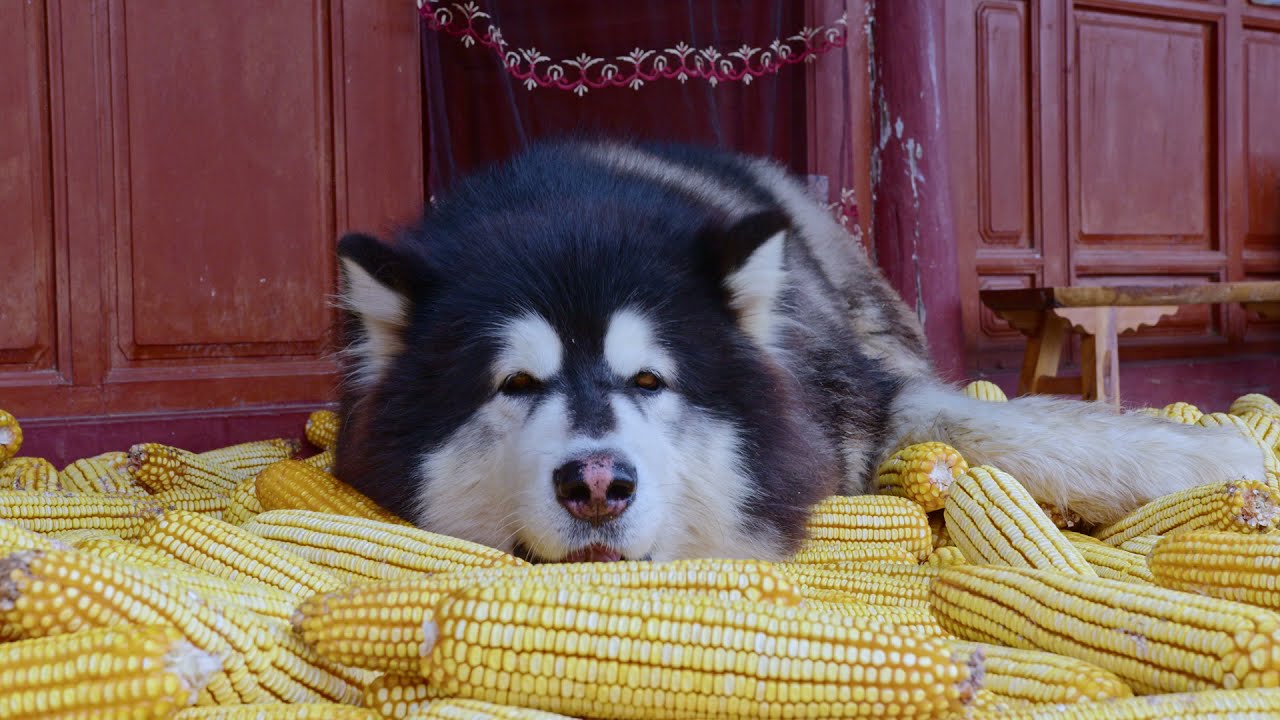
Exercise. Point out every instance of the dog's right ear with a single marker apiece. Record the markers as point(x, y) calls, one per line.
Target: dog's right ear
point(377, 285)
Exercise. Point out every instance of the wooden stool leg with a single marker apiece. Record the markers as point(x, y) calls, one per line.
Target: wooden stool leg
point(1043, 354)
point(1100, 359)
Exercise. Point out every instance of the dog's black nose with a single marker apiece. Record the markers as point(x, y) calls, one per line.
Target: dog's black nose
point(596, 488)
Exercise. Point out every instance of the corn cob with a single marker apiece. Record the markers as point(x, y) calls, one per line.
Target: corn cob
point(1040, 677)
point(29, 473)
point(10, 436)
point(75, 538)
point(1114, 563)
point(200, 501)
point(243, 505)
point(1254, 401)
point(15, 537)
point(872, 518)
point(871, 588)
point(558, 649)
point(321, 461)
point(158, 467)
point(252, 457)
point(1266, 426)
point(231, 552)
point(1156, 639)
point(1237, 505)
point(1244, 568)
point(826, 551)
point(131, 553)
point(302, 676)
point(938, 534)
point(922, 473)
point(985, 390)
point(915, 620)
point(400, 696)
point(370, 549)
point(105, 473)
point(1185, 413)
point(1256, 704)
point(54, 592)
point(279, 711)
point(1218, 419)
point(138, 672)
point(322, 429)
point(1141, 545)
point(945, 557)
point(993, 519)
point(295, 485)
point(379, 626)
point(464, 709)
point(50, 512)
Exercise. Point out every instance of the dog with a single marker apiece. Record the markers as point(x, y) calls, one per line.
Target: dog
point(600, 350)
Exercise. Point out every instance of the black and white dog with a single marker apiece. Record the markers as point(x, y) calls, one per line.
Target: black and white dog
point(604, 351)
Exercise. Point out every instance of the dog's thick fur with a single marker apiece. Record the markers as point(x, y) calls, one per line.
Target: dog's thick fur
point(791, 367)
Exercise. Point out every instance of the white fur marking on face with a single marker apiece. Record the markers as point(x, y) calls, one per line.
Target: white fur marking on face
point(756, 285)
point(529, 344)
point(630, 345)
point(383, 313)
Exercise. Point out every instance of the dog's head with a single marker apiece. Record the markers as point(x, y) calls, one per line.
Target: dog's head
point(590, 387)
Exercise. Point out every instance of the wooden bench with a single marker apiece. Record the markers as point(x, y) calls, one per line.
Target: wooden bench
point(1099, 315)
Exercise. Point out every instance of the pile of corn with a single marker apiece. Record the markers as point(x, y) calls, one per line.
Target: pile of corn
point(246, 583)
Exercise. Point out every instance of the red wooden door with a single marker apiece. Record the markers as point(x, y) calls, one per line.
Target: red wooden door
point(1121, 141)
point(174, 176)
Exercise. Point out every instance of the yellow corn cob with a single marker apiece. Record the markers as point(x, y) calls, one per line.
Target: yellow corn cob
point(379, 626)
point(563, 649)
point(1266, 426)
point(1156, 639)
point(50, 512)
point(1254, 401)
point(295, 485)
point(146, 671)
point(1255, 704)
point(938, 534)
point(922, 473)
point(993, 519)
point(371, 549)
point(985, 390)
point(872, 518)
point(158, 467)
point(10, 436)
point(279, 711)
point(243, 505)
point(945, 557)
point(130, 553)
point(302, 676)
point(75, 538)
point(321, 461)
point(231, 552)
point(871, 588)
point(1237, 505)
point(29, 473)
point(105, 473)
point(1218, 419)
point(54, 592)
point(1040, 677)
point(1245, 568)
point(400, 696)
point(322, 429)
point(15, 537)
point(1114, 563)
point(252, 457)
point(202, 501)
point(825, 551)
point(916, 620)
point(464, 709)
point(1141, 545)
point(1185, 413)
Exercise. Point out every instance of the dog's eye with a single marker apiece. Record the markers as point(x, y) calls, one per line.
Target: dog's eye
point(646, 380)
point(521, 382)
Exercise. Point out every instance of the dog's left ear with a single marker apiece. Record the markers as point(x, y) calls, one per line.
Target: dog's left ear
point(748, 260)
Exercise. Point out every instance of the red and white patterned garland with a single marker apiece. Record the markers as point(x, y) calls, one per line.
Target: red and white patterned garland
point(683, 62)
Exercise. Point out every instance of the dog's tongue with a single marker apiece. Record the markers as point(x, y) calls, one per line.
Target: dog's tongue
point(593, 553)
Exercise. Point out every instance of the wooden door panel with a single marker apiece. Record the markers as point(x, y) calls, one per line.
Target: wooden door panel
point(28, 299)
point(223, 191)
point(1004, 148)
point(1262, 148)
point(1146, 150)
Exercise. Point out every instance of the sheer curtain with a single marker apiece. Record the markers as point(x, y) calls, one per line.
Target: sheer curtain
point(770, 77)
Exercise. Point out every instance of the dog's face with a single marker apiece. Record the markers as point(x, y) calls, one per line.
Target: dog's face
point(576, 390)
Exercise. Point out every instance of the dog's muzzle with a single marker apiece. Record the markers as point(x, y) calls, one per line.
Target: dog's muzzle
point(597, 488)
